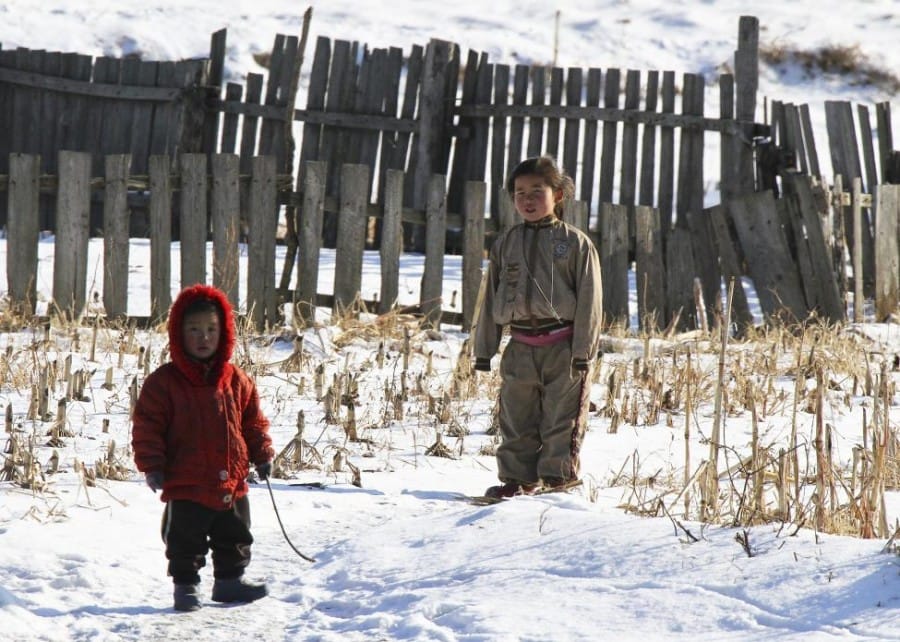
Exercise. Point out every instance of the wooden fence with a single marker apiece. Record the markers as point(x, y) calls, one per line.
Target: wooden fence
point(785, 243)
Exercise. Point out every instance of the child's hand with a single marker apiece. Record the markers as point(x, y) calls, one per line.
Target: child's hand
point(482, 364)
point(264, 470)
point(155, 480)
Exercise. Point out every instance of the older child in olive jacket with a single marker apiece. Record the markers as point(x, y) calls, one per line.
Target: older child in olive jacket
point(197, 428)
point(544, 284)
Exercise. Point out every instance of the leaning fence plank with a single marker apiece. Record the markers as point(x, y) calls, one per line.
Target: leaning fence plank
point(250, 126)
point(731, 267)
point(262, 304)
point(435, 240)
point(193, 219)
point(315, 101)
point(391, 240)
point(538, 98)
point(551, 146)
point(160, 236)
point(73, 201)
point(887, 252)
point(649, 269)
point(885, 136)
point(309, 239)
point(225, 211)
point(681, 308)
point(868, 150)
point(809, 139)
point(473, 248)
point(351, 239)
point(23, 231)
point(614, 258)
point(115, 236)
point(233, 93)
point(768, 257)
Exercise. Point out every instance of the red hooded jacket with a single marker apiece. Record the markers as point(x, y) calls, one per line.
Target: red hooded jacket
point(200, 423)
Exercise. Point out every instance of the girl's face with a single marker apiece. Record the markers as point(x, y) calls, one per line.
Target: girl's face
point(534, 199)
point(200, 333)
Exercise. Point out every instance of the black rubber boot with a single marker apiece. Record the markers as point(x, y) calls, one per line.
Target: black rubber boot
point(238, 590)
point(186, 597)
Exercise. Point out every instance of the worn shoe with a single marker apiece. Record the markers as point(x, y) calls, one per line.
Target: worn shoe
point(238, 590)
point(510, 489)
point(186, 597)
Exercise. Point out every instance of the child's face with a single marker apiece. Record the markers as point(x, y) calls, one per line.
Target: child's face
point(534, 199)
point(200, 333)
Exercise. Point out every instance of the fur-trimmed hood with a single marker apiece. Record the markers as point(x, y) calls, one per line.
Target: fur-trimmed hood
point(214, 370)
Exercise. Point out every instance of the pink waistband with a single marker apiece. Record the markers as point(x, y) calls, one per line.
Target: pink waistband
point(546, 339)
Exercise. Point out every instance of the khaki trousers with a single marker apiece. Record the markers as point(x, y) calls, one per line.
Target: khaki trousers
point(543, 413)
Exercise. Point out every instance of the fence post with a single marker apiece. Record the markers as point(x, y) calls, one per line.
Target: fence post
point(887, 252)
point(746, 79)
point(73, 206)
point(649, 270)
point(310, 239)
point(391, 240)
point(160, 236)
point(22, 231)
point(116, 218)
point(225, 212)
point(474, 198)
point(435, 245)
point(351, 238)
point(193, 224)
point(613, 251)
point(261, 298)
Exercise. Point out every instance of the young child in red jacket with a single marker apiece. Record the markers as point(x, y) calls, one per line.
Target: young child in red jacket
point(197, 427)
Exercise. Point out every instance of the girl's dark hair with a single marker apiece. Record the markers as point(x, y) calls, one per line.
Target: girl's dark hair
point(202, 305)
point(545, 167)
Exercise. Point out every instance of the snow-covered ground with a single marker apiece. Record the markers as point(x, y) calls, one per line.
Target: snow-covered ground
point(401, 557)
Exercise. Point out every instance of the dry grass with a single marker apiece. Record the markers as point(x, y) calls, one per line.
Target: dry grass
point(846, 61)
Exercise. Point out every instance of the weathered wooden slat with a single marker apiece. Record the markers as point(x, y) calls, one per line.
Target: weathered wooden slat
point(868, 149)
point(614, 259)
point(70, 251)
point(225, 212)
point(498, 139)
point(823, 282)
point(435, 239)
point(271, 131)
point(768, 257)
point(233, 92)
point(845, 161)
point(250, 126)
point(164, 112)
point(142, 114)
point(551, 144)
point(391, 240)
point(666, 191)
point(343, 151)
point(516, 128)
point(589, 153)
point(473, 249)
point(309, 232)
point(392, 72)
point(351, 239)
point(535, 121)
point(190, 111)
point(462, 151)
point(193, 226)
point(262, 299)
point(404, 154)
point(22, 231)
point(746, 78)
point(648, 147)
point(681, 309)
point(794, 134)
point(608, 147)
point(809, 139)
point(572, 130)
point(628, 168)
point(341, 67)
point(160, 235)
point(575, 212)
point(885, 136)
point(727, 141)
point(115, 236)
point(649, 269)
point(476, 165)
point(887, 252)
point(371, 101)
point(729, 256)
point(315, 101)
point(434, 101)
point(217, 51)
point(685, 155)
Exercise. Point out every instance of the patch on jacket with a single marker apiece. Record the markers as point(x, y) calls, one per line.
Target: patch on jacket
point(560, 249)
